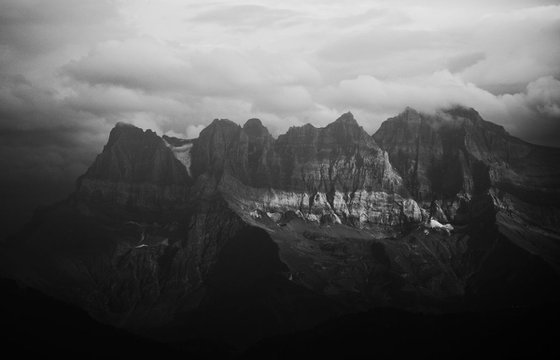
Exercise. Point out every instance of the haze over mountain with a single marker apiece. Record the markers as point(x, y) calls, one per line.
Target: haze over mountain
point(237, 235)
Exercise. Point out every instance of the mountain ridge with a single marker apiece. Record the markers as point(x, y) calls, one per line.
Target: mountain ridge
point(430, 213)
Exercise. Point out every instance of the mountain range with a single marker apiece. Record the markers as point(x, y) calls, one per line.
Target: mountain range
point(240, 235)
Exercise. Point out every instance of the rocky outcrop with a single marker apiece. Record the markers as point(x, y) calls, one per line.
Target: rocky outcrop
point(454, 154)
point(427, 151)
point(221, 147)
point(362, 209)
point(339, 157)
point(260, 149)
point(460, 166)
point(136, 169)
point(335, 172)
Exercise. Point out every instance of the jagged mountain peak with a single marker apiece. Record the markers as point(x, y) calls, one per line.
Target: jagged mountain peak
point(347, 118)
point(469, 118)
point(219, 131)
point(303, 128)
point(410, 110)
point(135, 168)
point(255, 129)
point(122, 124)
point(124, 127)
point(253, 123)
point(124, 132)
point(447, 113)
point(455, 150)
point(222, 122)
point(345, 121)
point(463, 112)
point(345, 131)
point(306, 133)
point(457, 119)
point(261, 224)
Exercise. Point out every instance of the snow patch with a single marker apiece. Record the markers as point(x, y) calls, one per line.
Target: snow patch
point(274, 216)
point(312, 218)
point(434, 224)
point(182, 153)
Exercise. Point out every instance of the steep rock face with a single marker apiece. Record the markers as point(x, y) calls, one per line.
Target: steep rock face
point(337, 172)
point(259, 150)
point(243, 152)
point(339, 157)
point(457, 152)
point(473, 172)
point(426, 150)
point(136, 168)
point(361, 208)
point(221, 147)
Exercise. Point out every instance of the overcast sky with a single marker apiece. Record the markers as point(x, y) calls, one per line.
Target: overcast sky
point(69, 70)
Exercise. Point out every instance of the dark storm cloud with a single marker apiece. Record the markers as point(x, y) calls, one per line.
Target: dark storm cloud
point(26, 107)
point(41, 141)
point(41, 137)
point(44, 147)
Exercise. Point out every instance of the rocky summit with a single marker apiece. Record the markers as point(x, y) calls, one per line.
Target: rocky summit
point(240, 235)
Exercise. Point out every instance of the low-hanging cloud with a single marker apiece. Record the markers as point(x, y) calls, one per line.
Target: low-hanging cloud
point(528, 112)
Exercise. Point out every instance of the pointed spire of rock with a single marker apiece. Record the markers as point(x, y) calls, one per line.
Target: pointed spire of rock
point(252, 123)
point(125, 131)
point(222, 122)
point(345, 123)
point(255, 128)
point(464, 112)
point(409, 114)
point(347, 118)
point(122, 124)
